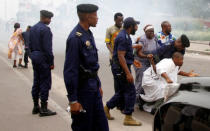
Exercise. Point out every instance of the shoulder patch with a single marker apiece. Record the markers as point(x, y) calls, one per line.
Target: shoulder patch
point(78, 34)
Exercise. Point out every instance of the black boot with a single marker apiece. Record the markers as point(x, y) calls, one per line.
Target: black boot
point(20, 65)
point(44, 111)
point(36, 108)
point(26, 65)
point(141, 103)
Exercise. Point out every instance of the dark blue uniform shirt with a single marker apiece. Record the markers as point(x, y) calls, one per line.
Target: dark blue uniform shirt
point(26, 38)
point(41, 40)
point(166, 51)
point(80, 51)
point(123, 42)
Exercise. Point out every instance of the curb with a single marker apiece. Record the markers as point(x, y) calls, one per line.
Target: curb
point(200, 42)
point(198, 52)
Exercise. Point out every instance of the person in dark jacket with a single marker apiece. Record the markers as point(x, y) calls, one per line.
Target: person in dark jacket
point(42, 58)
point(26, 44)
point(81, 74)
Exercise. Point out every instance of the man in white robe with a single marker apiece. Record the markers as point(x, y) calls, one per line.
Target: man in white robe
point(162, 76)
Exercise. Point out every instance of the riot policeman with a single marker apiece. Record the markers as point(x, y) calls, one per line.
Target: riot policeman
point(81, 74)
point(40, 45)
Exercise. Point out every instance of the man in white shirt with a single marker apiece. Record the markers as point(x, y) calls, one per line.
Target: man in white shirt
point(158, 77)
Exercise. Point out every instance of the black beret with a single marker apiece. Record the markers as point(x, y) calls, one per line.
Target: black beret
point(185, 41)
point(87, 8)
point(46, 13)
point(130, 21)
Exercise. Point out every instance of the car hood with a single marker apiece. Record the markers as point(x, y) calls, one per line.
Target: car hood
point(193, 91)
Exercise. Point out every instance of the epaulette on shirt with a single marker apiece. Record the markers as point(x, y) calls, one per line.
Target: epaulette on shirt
point(78, 34)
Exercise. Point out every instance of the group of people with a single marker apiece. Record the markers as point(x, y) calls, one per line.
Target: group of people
point(155, 49)
point(157, 61)
point(18, 45)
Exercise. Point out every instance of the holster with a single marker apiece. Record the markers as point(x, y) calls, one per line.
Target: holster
point(119, 72)
point(85, 74)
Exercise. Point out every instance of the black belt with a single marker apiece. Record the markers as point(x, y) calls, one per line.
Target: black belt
point(36, 51)
point(116, 62)
point(87, 74)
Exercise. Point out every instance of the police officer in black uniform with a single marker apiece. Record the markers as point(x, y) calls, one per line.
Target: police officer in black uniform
point(81, 74)
point(42, 58)
point(123, 58)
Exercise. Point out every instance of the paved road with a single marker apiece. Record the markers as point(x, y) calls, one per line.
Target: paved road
point(16, 100)
point(15, 89)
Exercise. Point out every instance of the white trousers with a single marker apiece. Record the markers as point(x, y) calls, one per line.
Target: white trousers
point(16, 55)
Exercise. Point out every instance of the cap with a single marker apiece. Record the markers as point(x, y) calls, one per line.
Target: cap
point(87, 8)
point(185, 41)
point(130, 21)
point(46, 13)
